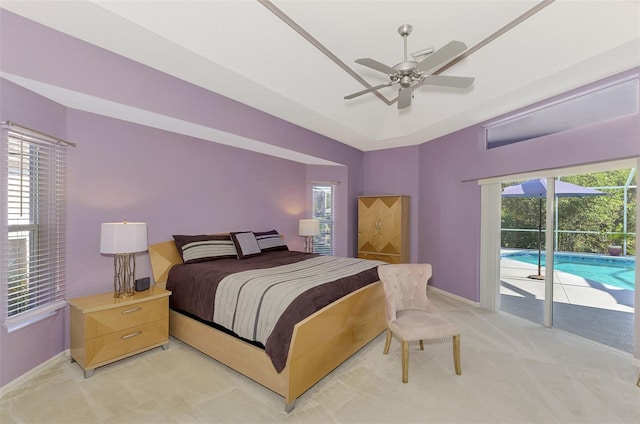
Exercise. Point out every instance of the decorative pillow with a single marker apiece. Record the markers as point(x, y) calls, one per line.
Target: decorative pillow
point(246, 244)
point(200, 248)
point(270, 240)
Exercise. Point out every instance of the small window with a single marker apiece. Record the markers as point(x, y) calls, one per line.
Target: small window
point(323, 210)
point(621, 99)
point(33, 201)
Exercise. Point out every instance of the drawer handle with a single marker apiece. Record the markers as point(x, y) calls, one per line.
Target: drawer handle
point(128, 336)
point(128, 311)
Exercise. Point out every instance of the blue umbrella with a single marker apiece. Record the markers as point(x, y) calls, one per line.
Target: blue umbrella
point(538, 188)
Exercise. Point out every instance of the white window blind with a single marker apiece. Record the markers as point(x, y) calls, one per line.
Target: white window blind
point(323, 210)
point(33, 225)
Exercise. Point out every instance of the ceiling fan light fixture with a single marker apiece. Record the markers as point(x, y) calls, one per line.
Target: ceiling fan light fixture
point(412, 74)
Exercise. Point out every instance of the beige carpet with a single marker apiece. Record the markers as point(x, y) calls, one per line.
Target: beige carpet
point(513, 371)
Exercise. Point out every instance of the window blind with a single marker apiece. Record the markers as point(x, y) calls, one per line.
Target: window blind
point(33, 224)
point(324, 210)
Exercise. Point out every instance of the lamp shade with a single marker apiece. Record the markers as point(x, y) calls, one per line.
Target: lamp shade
point(309, 227)
point(123, 237)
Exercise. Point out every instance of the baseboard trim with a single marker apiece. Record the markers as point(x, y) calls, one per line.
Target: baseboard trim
point(19, 381)
point(454, 296)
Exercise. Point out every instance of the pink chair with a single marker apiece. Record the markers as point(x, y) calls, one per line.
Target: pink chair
point(410, 314)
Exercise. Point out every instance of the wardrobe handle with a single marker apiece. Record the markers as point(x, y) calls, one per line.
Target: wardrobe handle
point(128, 336)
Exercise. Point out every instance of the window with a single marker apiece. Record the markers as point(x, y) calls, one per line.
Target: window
point(33, 225)
point(323, 210)
point(567, 113)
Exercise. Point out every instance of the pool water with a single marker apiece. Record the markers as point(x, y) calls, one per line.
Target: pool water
point(614, 271)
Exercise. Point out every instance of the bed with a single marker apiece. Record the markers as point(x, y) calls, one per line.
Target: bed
point(318, 343)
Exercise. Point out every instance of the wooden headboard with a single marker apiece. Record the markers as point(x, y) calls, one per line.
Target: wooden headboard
point(163, 256)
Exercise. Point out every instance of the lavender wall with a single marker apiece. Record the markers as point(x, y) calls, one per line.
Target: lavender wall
point(178, 185)
point(396, 171)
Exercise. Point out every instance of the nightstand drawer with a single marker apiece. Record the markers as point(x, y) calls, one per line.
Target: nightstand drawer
point(104, 329)
point(127, 341)
point(101, 323)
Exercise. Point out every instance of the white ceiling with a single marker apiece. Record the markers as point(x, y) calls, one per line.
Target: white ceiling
point(242, 50)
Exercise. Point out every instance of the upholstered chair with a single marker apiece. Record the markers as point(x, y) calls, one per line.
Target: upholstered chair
point(410, 314)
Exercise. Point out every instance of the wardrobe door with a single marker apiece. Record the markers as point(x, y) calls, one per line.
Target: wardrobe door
point(368, 220)
point(390, 225)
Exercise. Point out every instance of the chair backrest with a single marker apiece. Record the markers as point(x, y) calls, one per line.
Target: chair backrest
point(405, 287)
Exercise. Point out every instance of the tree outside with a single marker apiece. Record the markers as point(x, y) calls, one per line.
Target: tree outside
point(588, 224)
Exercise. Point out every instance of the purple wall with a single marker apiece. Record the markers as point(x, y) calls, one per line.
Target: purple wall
point(396, 171)
point(178, 185)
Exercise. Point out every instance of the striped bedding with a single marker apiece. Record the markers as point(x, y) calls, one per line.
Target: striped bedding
point(249, 303)
point(230, 294)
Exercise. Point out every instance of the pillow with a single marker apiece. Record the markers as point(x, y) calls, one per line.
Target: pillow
point(200, 248)
point(246, 244)
point(270, 240)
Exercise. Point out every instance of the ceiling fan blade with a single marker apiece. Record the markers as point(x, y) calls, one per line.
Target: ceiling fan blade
point(448, 81)
point(374, 64)
point(404, 97)
point(449, 51)
point(377, 87)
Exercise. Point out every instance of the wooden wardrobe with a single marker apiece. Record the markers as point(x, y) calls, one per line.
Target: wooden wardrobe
point(383, 228)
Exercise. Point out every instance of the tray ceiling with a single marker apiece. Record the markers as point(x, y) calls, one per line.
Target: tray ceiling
point(243, 50)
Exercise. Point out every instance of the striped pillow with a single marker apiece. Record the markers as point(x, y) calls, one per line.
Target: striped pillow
point(270, 240)
point(201, 248)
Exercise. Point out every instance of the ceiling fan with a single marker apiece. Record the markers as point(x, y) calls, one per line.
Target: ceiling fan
point(411, 74)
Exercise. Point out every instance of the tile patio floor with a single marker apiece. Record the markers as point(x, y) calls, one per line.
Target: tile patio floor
point(597, 311)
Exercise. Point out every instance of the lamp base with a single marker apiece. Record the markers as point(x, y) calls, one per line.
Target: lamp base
point(308, 244)
point(124, 265)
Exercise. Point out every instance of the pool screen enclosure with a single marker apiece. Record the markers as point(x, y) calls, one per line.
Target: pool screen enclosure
point(538, 188)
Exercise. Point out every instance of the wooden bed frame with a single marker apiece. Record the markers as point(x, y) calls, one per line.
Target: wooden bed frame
point(319, 344)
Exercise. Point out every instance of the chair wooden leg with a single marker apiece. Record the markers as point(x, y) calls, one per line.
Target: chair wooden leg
point(421, 344)
point(405, 361)
point(456, 354)
point(387, 343)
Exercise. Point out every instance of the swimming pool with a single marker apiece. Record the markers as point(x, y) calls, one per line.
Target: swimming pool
point(612, 270)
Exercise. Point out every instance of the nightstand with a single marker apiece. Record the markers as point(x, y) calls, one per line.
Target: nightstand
point(105, 329)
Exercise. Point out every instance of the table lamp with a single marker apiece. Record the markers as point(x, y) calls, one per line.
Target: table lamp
point(308, 228)
point(123, 239)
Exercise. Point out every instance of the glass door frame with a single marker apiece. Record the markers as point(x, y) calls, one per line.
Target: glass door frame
point(490, 217)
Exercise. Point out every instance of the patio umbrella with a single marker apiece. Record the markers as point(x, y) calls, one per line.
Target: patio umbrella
point(538, 188)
